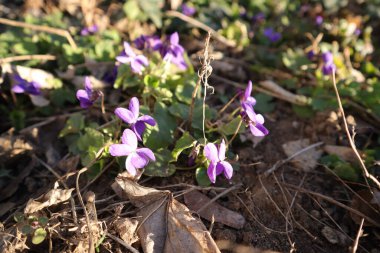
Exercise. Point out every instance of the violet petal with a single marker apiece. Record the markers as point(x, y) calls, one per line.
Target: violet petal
point(120, 150)
point(125, 115)
point(211, 172)
point(211, 152)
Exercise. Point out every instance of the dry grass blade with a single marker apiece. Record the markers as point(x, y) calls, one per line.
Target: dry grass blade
point(359, 234)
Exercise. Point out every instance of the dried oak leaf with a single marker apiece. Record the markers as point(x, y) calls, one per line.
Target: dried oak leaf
point(53, 197)
point(196, 200)
point(166, 225)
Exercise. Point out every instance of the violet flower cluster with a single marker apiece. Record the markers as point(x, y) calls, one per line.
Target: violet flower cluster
point(88, 96)
point(169, 49)
point(216, 156)
point(137, 158)
point(272, 35)
point(89, 30)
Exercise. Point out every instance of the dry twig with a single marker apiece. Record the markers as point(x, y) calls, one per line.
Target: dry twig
point(359, 234)
point(352, 143)
point(41, 57)
point(41, 28)
point(202, 26)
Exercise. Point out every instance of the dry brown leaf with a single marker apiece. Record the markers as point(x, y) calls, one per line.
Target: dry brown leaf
point(345, 153)
point(239, 248)
point(166, 225)
point(11, 146)
point(307, 160)
point(53, 197)
point(368, 204)
point(126, 228)
point(196, 200)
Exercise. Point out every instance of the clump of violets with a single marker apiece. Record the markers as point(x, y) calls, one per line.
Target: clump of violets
point(136, 62)
point(89, 30)
point(328, 63)
point(137, 158)
point(172, 51)
point(218, 165)
point(252, 119)
point(188, 10)
point(131, 116)
point(23, 86)
point(271, 34)
point(88, 96)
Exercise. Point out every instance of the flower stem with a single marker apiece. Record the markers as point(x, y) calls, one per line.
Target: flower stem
point(236, 132)
point(228, 104)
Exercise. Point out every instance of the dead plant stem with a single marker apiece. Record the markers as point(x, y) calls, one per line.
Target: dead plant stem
point(127, 246)
point(41, 28)
point(219, 196)
point(358, 235)
point(42, 57)
point(352, 143)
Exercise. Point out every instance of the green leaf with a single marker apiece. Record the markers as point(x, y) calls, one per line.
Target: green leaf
point(231, 127)
point(161, 167)
point(186, 141)
point(27, 230)
point(59, 96)
point(210, 114)
point(161, 135)
point(39, 236)
point(153, 9)
point(303, 111)
point(17, 118)
point(346, 171)
point(91, 138)
point(202, 177)
point(25, 47)
point(264, 103)
point(43, 221)
point(131, 9)
point(179, 110)
point(72, 55)
point(185, 92)
point(73, 125)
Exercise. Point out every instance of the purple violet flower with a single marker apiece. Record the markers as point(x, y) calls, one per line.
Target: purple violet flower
point(254, 121)
point(172, 51)
point(246, 96)
point(137, 158)
point(188, 10)
point(319, 20)
point(88, 96)
point(328, 65)
point(24, 86)
point(310, 54)
point(89, 30)
point(131, 116)
point(271, 34)
point(137, 62)
point(358, 32)
point(146, 41)
point(217, 161)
